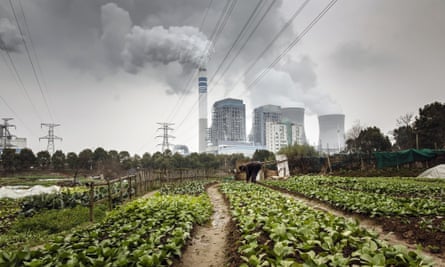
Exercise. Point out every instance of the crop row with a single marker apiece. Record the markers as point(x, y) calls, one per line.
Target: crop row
point(145, 232)
point(280, 231)
point(373, 204)
point(9, 209)
point(70, 198)
point(185, 188)
point(412, 187)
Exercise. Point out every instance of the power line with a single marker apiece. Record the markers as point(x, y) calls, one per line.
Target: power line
point(292, 44)
point(238, 37)
point(245, 42)
point(30, 60)
point(15, 114)
point(22, 85)
point(45, 85)
point(286, 25)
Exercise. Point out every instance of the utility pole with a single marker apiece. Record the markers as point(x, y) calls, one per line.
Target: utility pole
point(51, 137)
point(165, 127)
point(5, 135)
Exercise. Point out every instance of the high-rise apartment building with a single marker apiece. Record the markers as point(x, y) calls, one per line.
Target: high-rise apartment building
point(228, 121)
point(282, 134)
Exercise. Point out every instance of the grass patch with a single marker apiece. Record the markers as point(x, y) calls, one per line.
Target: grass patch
point(32, 231)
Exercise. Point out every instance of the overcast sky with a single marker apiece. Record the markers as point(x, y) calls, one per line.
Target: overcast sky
point(108, 71)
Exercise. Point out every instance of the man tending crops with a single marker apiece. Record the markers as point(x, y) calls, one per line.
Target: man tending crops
point(251, 169)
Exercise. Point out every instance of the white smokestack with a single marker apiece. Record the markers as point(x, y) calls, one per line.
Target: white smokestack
point(202, 82)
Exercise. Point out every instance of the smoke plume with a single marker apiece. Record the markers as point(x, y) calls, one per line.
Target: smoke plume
point(10, 39)
point(185, 45)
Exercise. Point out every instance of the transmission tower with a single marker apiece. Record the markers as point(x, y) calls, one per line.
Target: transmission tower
point(51, 137)
point(165, 127)
point(5, 135)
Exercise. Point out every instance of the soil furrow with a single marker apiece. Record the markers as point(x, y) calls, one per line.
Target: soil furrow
point(208, 244)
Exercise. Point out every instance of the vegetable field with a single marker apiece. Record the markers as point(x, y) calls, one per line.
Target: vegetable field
point(279, 231)
point(262, 226)
point(412, 208)
point(145, 232)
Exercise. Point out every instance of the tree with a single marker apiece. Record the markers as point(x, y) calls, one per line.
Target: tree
point(263, 155)
point(301, 157)
point(125, 160)
point(27, 159)
point(85, 159)
point(10, 160)
point(99, 158)
point(404, 135)
point(73, 161)
point(352, 136)
point(58, 160)
point(371, 140)
point(146, 161)
point(43, 159)
point(429, 126)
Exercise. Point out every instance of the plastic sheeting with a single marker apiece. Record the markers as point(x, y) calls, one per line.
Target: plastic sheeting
point(392, 159)
point(435, 172)
point(20, 191)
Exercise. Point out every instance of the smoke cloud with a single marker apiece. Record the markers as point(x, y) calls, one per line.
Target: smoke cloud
point(116, 24)
point(10, 39)
point(172, 52)
point(185, 45)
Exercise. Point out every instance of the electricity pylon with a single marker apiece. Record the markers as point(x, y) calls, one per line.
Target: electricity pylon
point(51, 137)
point(5, 135)
point(165, 127)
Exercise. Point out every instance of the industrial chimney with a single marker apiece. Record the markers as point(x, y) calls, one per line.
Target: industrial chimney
point(332, 133)
point(202, 83)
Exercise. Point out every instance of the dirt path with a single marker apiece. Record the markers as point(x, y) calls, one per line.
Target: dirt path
point(367, 224)
point(208, 245)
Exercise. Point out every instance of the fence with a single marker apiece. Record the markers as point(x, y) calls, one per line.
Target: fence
point(137, 184)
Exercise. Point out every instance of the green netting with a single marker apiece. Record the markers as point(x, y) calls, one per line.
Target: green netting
point(391, 159)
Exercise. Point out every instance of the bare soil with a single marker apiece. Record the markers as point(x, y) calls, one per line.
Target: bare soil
point(208, 246)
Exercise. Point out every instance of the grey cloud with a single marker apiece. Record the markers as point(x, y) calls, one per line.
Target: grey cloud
point(10, 39)
point(279, 88)
point(355, 56)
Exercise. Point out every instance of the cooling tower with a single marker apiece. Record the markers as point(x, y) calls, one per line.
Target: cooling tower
point(202, 83)
point(332, 132)
point(294, 115)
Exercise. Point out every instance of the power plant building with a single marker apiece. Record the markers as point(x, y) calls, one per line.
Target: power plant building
point(332, 133)
point(228, 121)
point(295, 116)
point(261, 115)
